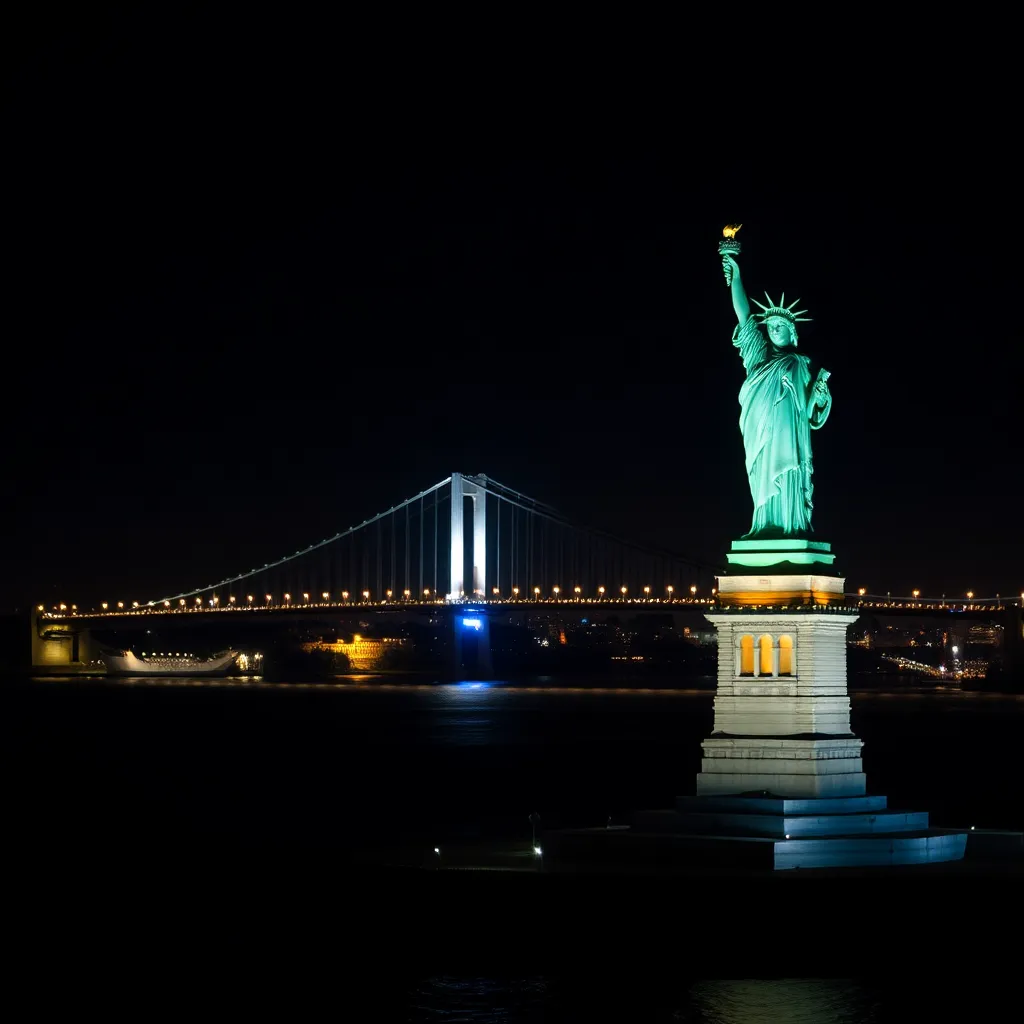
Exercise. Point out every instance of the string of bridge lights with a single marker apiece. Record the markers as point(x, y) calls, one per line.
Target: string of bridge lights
point(517, 595)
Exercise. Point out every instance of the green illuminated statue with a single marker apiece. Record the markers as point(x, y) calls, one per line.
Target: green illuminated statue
point(779, 407)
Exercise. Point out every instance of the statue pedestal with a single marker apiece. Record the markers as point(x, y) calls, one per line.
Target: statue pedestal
point(782, 712)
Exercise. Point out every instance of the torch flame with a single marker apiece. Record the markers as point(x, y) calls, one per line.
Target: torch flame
point(729, 231)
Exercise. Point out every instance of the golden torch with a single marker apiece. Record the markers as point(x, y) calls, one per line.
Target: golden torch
point(730, 245)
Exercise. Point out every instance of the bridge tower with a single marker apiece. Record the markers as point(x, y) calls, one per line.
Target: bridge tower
point(473, 487)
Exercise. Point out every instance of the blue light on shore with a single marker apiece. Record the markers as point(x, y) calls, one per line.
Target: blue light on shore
point(474, 623)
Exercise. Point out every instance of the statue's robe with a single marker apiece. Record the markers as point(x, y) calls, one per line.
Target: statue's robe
point(777, 433)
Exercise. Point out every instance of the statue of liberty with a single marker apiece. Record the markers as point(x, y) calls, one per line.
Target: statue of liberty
point(779, 407)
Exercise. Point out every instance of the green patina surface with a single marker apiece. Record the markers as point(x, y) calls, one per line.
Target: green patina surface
point(780, 404)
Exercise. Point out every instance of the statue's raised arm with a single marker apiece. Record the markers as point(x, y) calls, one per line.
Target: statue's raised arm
point(734, 280)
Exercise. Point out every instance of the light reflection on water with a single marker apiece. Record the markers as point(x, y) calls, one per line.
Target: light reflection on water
point(448, 997)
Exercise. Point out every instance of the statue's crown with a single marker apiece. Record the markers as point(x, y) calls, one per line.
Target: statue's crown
point(780, 309)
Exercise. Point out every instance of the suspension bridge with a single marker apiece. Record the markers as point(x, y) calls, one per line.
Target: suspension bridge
point(466, 538)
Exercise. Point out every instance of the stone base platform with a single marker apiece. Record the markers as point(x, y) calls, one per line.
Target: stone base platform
point(764, 831)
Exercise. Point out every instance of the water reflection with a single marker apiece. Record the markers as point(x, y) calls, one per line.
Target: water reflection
point(778, 1001)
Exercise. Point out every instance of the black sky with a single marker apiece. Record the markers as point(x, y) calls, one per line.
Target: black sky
point(255, 295)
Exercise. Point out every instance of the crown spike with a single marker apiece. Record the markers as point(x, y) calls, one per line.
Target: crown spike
point(771, 305)
point(782, 301)
point(792, 304)
point(761, 304)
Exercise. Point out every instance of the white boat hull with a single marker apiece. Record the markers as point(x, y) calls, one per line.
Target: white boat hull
point(128, 664)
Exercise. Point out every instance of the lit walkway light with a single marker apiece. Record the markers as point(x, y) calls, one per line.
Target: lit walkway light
point(426, 591)
point(670, 589)
point(577, 591)
point(406, 594)
point(199, 601)
point(366, 595)
point(231, 599)
point(555, 591)
point(40, 607)
point(495, 591)
point(135, 604)
point(248, 597)
point(647, 591)
point(104, 606)
point(344, 595)
point(916, 593)
point(970, 595)
point(120, 604)
point(624, 589)
point(862, 591)
point(325, 595)
point(600, 590)
point(693, 591)
point(167, 604)
point(536, 592)
point(268, 597)
point(305, 598)
point(287, 598)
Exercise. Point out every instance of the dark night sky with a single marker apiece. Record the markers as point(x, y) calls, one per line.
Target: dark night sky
point(254, 295)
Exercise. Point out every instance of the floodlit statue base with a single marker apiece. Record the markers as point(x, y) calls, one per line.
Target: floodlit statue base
point(782, 712)
point(782, 774)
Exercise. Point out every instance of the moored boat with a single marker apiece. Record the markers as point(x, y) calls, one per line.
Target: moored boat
point(127, 663)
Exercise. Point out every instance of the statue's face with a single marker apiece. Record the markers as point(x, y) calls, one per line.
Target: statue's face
point(781, 332)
